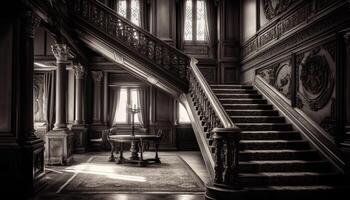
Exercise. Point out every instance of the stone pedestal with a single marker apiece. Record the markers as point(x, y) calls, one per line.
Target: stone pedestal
point(59, 147)
point(80, 140)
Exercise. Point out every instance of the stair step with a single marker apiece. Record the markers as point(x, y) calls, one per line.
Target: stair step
point(265, 126)
point(284, 178)
point(270, 135)
point(257, 119)
point(252, 112)
point(234, 91)
point(278, 155)
point(242, 101)
point(274, 144)
point(248, 106)
point(283, 166)
point(232, 86)
point(238, 96)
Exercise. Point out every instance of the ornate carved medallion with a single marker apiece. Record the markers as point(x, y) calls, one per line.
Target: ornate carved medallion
point(317, 80)
point(273, 8)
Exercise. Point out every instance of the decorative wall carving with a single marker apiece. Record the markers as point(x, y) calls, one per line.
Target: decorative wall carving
point(317, 81)
point(284, 27)
point(273, 8)
point(279, 76)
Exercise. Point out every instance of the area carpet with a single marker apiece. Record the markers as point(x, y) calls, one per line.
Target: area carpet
point(98, 175)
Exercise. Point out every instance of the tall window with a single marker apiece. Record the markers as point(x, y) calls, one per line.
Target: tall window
point(127, 96)
point(195, 21)
point(130, 9)
point(182, 115)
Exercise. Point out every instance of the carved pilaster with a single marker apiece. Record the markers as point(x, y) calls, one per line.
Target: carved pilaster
point(97, 77)
point(61, 52)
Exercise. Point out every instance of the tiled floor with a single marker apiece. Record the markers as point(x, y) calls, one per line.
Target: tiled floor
point(56, 177)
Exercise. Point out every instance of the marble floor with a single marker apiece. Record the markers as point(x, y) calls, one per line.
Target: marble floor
point(58, 176)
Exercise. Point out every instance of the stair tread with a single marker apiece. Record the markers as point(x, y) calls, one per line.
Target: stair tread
point(287, 174)
point(251, 110)
point(295, 188)
point(281, 161)
point(270, 141)
point(272, 131)
point(278, 151)
point(255, 116)
point(227, 85)
point(242, 123)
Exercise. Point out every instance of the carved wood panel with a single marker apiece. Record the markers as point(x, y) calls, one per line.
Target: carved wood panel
point(279, 75)
point(315, 84)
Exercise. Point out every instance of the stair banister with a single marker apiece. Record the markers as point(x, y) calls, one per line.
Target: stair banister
point(220, 126)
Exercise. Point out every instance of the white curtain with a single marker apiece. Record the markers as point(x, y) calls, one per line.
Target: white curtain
point(114, 103)
point(143, 102)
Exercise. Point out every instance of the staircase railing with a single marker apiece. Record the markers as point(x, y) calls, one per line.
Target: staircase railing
point(217, 123)
point(214, 118)
point(165, 57)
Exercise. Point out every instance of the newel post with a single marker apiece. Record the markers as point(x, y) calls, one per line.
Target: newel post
point(226, 141)
point(226, 163)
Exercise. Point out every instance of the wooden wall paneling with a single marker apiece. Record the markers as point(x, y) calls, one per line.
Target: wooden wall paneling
point(6, 78)
point(164, 20)
point(40, 42)
point(229, 36)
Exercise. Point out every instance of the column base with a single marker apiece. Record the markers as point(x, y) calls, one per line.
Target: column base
point(22, 168)
point(80, 139)
point(59, 147)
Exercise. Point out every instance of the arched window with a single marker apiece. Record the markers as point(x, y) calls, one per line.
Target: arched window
point(195, 28)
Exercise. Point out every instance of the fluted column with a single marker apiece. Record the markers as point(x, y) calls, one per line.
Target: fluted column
point(79, 74)
point(97, 77)
point(60, 52)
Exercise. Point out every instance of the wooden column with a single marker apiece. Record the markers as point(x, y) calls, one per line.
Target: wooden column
point(22, 161)
point(79, 74)
point(59, 141)
point(78, 127)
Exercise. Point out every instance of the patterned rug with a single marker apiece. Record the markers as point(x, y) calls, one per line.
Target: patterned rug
point(98, 175)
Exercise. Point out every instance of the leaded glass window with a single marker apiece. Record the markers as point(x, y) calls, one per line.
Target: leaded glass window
point(195, 26)
point(130, 9)
point(188, 20)
point(135, 12)
point(122, 8)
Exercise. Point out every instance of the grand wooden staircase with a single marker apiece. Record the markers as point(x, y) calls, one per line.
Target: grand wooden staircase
point(248, 147)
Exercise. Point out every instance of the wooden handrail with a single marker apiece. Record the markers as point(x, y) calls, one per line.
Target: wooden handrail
point(214, 101)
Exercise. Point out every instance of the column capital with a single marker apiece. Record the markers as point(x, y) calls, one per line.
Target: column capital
point(32, 22)
point(79, 71)
point(97, 75)
point(61, 52)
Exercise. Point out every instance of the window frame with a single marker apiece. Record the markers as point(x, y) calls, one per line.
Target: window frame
point(194, 40)
point(128, 10)
point(129, 89)
point(177, 115)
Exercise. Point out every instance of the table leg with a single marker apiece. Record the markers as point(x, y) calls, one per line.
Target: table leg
point(157, 147)
point(134, 150)
point(121, 158)
point(111, 157)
